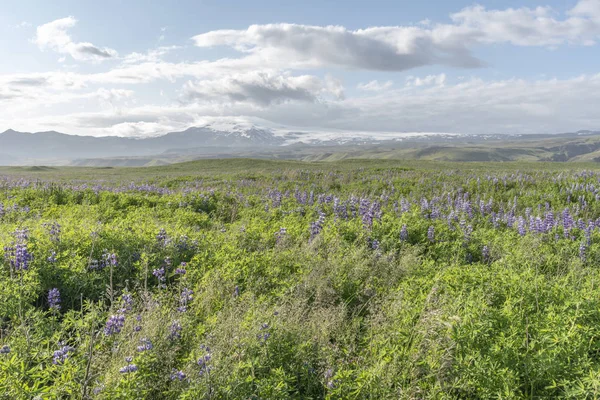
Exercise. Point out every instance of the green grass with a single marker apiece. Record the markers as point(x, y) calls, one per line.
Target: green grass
point(338, 305)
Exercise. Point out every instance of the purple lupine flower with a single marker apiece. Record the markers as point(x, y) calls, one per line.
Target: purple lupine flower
point(582, 251)
point(568, 222)
point(61, 355)
point(521, 226)
point(263, 337)
point(177, 375)
point(185, 297)
point(54, 230)
point(236, 291)
point(18, 255)
point(54, 299)
point(485, 253)
point(52, 257)
point(146, 345)
point(5, 349)
point(159, 273)
point(328, 375)
point(204, 361)
point(404, 233)
point(109, 259)
point(175, 331)
point(431, 234)
point(280, 235)
point(114, 324)
point(468, 230)
point(375, 244)
point(126, 302)
point(162, 238)
point(317, 226)
point(129, 368)
point(181, 270)
point(138, 328)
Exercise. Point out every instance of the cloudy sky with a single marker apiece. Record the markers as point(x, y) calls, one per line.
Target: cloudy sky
point(141, 67)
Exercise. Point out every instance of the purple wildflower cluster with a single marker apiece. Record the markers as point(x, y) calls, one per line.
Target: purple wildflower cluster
point(264, 335)
point(175, 331)
point(107, 259)
point(52, 257)
point(130, 367)
point(4, 349)
point(317, 226)
point(404, 233)
point(114, 324)
point(181, 270)
point(54, 299)
point(186, 296)
point(17, 255)
point(204, 360)
point(145, 345)
point(54, 230)
point(61, 355)
point(178, 375)
point(280, 234)
point(162, 238)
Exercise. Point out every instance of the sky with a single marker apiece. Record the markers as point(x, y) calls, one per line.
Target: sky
point(145, 68)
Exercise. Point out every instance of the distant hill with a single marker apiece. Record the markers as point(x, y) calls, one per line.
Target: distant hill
point(54, 148)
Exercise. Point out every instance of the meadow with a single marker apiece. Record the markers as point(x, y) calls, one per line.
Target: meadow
point(248, 279)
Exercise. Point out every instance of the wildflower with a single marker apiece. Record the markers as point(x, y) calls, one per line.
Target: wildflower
point(175, 331)
point(374, 244)
point(185, 297)
point(138, 328)
point(236, 291)
point(181, 270)
point(204, 361)
point(52, 257)
point(109, 258)
point(4, 349)
point(159, 273)
point(54, 299)
point(521, 226)
point(127, 302)
point(177, 375)
point(328, 375)
point(162, 238)
point(280, 234)
point(129, 368)
point(18, 255)
point(404, 233)
point(582, 251)
point(61, 355)
point(114, 324)
point(263, 337)
point(54, 230)
point(146, 345)
point(317, 226)
point(485, 253)
point(431, 233)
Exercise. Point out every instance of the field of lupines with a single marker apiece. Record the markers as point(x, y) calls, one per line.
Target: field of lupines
point(275, 280)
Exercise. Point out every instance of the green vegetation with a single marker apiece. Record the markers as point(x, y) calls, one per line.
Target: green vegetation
point(249, 279)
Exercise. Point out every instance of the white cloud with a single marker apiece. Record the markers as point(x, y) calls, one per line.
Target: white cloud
point(382, 48)
point(54, 36)
point(473, 106)
point(398, 48)
point(438, 80)
point(262, 88)
point(375, 86)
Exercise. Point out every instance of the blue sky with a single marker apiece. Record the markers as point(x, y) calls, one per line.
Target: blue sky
point(140, 68)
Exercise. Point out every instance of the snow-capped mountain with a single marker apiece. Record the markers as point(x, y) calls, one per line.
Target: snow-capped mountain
point(219, 137)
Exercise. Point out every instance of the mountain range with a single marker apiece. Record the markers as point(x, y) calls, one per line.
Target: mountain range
point(247, 140)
